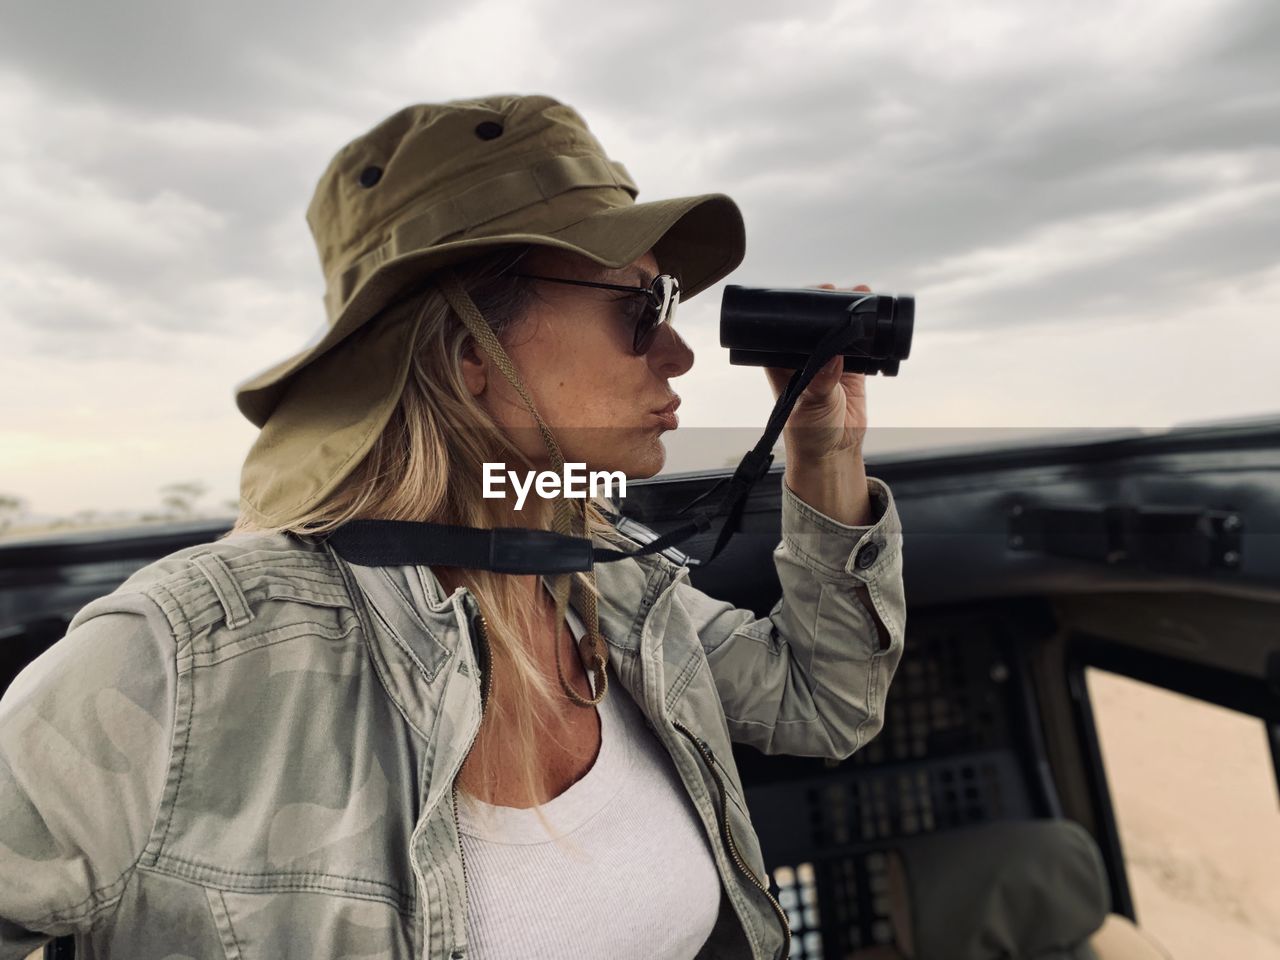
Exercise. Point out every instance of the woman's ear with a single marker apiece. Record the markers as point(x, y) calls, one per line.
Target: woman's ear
point(475, 367)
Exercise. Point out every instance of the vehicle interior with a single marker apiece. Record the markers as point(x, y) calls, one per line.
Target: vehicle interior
point(979, 823)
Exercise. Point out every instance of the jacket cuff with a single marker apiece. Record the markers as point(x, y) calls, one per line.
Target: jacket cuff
point(834, 549)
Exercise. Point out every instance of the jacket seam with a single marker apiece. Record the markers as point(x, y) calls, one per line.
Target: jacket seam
point(813, 682)
point(323, 572)
point(420, 624)
point(218, 878)
point(873, 589)
point(816, 566)
point(247, 563)
point(657, 582)
point(299, 589)
point(770, 724)
point(361, 610)
point(173, 610)
point(387, 685)
point(222, 922)
point(107, 902)
point(163, 809)
point(685, 677)
point(873, 687)
point(183, 685)
point(265, 640)
point(408, 651)
point(276, 590)
point(298, 573)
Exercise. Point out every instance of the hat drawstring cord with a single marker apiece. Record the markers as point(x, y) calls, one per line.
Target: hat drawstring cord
point(568, 521)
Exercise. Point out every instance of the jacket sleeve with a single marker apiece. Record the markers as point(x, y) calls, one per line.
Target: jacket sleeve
point(85, 738)
point(810, 679)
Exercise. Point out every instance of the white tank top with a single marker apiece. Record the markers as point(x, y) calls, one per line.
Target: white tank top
point(632, 878)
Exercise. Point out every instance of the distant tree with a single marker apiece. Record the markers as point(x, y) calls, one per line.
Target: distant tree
point(179, 498)
point(11, 508)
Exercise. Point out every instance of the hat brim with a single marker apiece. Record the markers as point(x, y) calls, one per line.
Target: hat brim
point(702, 238)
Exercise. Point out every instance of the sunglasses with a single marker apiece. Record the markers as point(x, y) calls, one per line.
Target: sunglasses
point(661, 298)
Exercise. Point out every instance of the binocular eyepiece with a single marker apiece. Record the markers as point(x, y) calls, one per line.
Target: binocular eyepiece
point(779, 327)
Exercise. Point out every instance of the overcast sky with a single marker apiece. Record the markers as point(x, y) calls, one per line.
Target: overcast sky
point(1083, 197)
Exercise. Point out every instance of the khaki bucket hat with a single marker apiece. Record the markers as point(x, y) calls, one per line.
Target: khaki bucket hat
point(435, 184)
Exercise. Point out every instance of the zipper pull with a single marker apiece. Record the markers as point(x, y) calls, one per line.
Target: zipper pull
point(484, 661)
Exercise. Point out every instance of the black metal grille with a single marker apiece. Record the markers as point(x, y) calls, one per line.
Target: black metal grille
point(948, 757)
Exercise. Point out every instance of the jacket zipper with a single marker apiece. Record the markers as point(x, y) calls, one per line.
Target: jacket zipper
point(727, 832)
point(484, 699)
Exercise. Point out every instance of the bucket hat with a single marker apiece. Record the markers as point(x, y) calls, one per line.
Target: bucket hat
point(428, 187)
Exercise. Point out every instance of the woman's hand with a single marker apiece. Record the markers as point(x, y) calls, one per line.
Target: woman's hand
point(823, 438)
point(830, 416)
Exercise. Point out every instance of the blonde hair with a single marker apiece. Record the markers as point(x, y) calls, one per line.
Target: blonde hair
point(426, 465)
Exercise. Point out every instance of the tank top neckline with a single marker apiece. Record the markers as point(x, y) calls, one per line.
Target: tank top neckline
point(582, 800)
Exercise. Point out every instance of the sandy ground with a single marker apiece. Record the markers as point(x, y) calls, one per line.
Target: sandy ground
point(1196, 799)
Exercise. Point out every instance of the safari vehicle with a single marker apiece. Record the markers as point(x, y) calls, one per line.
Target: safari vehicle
point(979, 823)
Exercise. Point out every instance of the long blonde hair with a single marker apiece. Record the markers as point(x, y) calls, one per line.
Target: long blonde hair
point(426, 465)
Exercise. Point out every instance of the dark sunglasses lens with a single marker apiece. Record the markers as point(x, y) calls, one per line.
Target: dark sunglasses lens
point(646, 328)
point(659, 309)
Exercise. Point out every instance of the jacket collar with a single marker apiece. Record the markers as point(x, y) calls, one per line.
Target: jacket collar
point(416, 628)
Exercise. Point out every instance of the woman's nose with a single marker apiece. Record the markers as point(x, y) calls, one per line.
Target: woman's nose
point(669, 355)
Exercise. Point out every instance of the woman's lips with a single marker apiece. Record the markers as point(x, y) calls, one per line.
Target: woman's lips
point(667, 415)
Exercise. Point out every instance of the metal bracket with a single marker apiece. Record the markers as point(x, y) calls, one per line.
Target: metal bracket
point(638, 531)
point(1171, 539)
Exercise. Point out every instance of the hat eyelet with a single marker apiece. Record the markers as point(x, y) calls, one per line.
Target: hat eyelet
point(370, 175)
point(488, 130)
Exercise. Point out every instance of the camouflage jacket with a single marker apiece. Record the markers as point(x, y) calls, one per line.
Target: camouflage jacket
point(248, 749)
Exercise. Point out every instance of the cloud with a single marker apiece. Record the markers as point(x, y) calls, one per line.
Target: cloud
point(233, 60)
point(1040, 175)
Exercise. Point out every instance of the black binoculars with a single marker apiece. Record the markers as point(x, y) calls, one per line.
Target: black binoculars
point(779, 327)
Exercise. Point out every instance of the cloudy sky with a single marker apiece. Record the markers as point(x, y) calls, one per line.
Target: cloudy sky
point(1084, 198)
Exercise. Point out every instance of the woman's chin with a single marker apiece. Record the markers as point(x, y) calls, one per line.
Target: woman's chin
point(637, 457)
point(644, 460)
point(653, 457)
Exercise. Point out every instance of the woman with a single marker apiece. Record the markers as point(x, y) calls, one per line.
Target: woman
point(260, 744)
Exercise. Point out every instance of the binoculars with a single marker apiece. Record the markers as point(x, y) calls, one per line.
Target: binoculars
point(779, 327)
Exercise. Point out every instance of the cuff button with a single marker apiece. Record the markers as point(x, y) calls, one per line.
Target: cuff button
point(867, 556)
